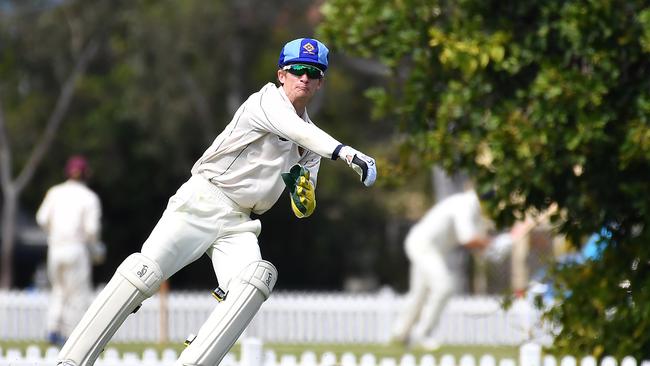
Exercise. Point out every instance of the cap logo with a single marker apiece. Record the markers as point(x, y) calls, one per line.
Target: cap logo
point(309, 48)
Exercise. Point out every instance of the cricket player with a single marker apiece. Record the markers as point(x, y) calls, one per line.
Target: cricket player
point(270, 142)
point(455, 220)
point(70, 214)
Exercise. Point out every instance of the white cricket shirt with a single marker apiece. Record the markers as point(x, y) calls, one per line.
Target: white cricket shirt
point(259, 144)
point(70, 214)
point(453, 221)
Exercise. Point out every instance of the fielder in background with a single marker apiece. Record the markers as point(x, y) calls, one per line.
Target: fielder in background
point(70, 214)
point(270, 142)
point(455, 220)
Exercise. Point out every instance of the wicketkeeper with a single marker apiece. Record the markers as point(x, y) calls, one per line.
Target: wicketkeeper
point(270, 143)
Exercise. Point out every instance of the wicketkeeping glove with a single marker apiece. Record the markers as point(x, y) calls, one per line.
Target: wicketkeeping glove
point(364, 165)
point(301, 191)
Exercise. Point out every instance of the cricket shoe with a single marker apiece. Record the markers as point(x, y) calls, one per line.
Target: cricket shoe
point(56, 339)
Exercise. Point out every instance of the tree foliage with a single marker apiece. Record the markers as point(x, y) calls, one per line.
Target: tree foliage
point(546, 102)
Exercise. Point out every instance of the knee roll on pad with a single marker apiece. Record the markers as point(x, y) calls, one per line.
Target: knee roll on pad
point(246, 293)
point(260, 274)
point(141, 272)
point(135, 280)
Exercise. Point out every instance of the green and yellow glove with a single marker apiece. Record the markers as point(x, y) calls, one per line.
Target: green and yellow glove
point(301, 191)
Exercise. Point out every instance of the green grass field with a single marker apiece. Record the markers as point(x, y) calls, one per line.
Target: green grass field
point(379, 350)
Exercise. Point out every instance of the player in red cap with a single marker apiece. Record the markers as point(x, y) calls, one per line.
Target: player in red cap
point(71, 216)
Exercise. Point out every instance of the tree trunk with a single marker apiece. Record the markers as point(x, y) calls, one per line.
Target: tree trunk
point(8, 236)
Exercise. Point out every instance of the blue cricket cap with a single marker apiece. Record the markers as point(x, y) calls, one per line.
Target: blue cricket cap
point(304, 51)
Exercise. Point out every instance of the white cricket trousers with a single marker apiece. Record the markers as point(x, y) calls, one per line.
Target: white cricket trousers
point(69, 271)
point(200, 219)
point(430, 287)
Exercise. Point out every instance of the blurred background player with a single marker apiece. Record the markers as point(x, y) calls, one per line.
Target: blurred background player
point(70, 214)
point(455, 220)
point(270, 142)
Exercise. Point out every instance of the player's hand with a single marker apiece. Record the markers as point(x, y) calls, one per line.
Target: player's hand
point(301, 191)
point(364, 165)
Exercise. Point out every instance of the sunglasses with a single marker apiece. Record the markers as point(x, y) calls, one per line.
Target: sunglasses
point(301, 69)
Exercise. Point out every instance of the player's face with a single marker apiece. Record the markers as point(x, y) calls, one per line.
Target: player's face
point(299, 87)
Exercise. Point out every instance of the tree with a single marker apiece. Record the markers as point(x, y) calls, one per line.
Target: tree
point(26, 30)
point(544, 102)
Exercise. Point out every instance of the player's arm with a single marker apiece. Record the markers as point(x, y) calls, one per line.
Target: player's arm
point(92, 224)
point(274, 115)
point(478, 243)
point(43, 213)
point(470, 225)
point(92, 219)
point(278, 118)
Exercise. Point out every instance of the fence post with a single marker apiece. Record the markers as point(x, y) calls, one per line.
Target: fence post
point(530, 354)
point(252, 352)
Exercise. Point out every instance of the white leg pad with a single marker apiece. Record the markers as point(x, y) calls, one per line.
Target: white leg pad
point(135, 280)
point(246, 293)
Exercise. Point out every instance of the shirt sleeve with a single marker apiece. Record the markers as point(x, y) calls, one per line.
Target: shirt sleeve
point(273, 114)
point(92, 219)
point(43, 213)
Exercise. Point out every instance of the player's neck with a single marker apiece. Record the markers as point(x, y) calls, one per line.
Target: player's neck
point(300, 108)
point(299, 103)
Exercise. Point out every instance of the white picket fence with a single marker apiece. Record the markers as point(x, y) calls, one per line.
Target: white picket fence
point(253, 354)
point(298, 318)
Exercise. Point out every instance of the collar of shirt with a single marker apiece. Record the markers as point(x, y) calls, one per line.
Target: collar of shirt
point(75, 182)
